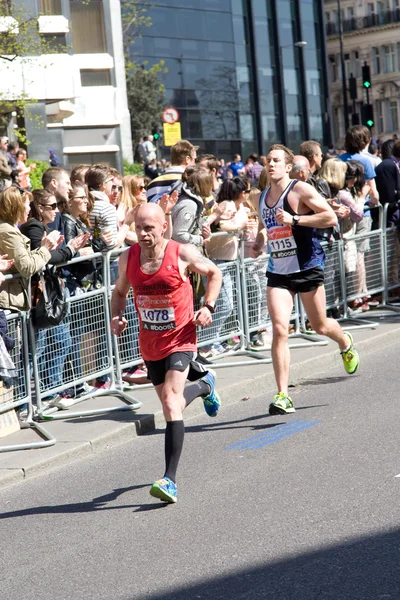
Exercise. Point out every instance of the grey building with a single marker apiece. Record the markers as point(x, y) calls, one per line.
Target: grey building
point(237, 74)
point(81, 107)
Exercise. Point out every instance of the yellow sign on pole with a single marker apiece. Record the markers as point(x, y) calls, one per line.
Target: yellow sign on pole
point(172, 133)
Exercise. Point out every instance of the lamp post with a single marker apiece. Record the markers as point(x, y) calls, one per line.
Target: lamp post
point(344, 88)
point(281, 87)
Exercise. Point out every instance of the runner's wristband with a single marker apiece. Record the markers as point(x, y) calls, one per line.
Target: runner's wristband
point(210, 307)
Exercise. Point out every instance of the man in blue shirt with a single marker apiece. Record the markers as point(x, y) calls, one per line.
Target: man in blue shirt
point(237, 167)
point(358, 139)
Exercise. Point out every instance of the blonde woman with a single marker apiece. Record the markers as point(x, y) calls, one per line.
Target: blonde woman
point(133, 194)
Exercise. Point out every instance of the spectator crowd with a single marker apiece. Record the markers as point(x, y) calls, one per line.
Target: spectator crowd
point(207, 202)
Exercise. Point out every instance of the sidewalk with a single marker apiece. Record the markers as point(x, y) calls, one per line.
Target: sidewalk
point(81, 437)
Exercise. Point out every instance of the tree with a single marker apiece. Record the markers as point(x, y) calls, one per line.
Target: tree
point(146, 93)
point(146, 100)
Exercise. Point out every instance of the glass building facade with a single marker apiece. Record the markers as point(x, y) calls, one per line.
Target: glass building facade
point(235, 73)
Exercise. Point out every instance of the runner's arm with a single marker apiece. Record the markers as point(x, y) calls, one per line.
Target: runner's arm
point(323, 216)
point(191, 258)
point(118, 298)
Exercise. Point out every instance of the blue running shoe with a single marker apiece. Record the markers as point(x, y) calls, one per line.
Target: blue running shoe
point(164, 489)
point(212, 401)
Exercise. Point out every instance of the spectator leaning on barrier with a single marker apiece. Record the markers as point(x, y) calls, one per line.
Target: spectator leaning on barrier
point(355, 182)
point(358, 139)
point(53, 344)
point(5, 169)
point(224, 248)
point(183, 154)
point(14, 211)
point(187, 213)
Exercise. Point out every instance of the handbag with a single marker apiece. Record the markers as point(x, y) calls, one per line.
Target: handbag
point(49, 306)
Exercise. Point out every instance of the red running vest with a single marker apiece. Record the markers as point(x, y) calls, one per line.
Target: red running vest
point(164, 303)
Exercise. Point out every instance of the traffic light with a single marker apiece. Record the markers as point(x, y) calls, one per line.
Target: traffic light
point(156, 136)
point(367, 113)
point(353, 87)
point(366, 76)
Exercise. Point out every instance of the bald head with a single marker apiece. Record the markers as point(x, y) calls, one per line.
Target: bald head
point(150, 225)
point(150, 211)
point(300, 169)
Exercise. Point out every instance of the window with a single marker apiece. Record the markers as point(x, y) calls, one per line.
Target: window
point(56, 42)
point(108, 158)
point(379, 116)
point(328, 17)
point(50, 7)
point(389, 58)
point(394, 116)
point(376, 61)
point(87, 27)
point(332, 69)
point(95, 77)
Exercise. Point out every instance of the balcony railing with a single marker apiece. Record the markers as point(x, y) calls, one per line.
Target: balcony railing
point(356, 23)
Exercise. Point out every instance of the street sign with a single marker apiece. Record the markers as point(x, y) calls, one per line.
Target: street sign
point(170, 115)
point(172, 133)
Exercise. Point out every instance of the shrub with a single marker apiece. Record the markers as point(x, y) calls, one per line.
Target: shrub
point(133, 168)
point(36, 175)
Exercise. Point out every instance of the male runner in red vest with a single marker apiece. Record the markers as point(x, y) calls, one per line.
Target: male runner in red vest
point(157, 270)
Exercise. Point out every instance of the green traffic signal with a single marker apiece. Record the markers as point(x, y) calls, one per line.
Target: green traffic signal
point(156, 136)
point(370, 123)
point(367, 84)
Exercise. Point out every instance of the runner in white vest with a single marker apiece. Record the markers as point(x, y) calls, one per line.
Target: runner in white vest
point(290, 211)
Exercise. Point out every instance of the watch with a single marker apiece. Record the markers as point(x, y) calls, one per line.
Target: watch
point(295, 220)
point(210, 306)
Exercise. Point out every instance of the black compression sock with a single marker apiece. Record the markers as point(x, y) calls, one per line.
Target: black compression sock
point(174, 434)
point(196, 389)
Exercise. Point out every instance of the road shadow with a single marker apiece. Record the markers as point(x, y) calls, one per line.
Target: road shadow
point(95, 505)
point(366, 569)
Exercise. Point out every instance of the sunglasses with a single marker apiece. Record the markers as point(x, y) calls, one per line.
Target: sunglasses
point(51, 206)
point(247, 191)
point(116, 187)
point(141, 188)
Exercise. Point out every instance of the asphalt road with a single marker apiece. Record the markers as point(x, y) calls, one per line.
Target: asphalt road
point(299, 507)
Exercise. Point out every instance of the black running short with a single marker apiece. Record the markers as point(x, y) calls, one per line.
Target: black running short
point(303, 281)
point(177, 361)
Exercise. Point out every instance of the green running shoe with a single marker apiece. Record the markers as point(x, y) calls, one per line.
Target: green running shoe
point(164, 489)
point(350, 357)
point(281, 405)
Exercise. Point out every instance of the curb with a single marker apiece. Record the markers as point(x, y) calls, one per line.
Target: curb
point(147, 423)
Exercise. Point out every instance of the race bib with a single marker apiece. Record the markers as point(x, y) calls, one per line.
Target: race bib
point(156, 313)
point(281, 242)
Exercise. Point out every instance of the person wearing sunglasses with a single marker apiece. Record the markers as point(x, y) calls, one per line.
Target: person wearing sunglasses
point(52, 345)
point(116, 187)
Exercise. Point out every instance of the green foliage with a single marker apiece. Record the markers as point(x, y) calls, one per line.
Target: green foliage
point(146, 99)
point(36, 175)
point(133, 168)
point(134, 19)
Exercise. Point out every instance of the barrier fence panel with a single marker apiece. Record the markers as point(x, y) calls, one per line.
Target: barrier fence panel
point(392, 261)
point(19, 397)
point(78, 350)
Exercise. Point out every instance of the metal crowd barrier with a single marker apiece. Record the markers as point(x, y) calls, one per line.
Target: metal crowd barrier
point(77, 351)
point(20, 397)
